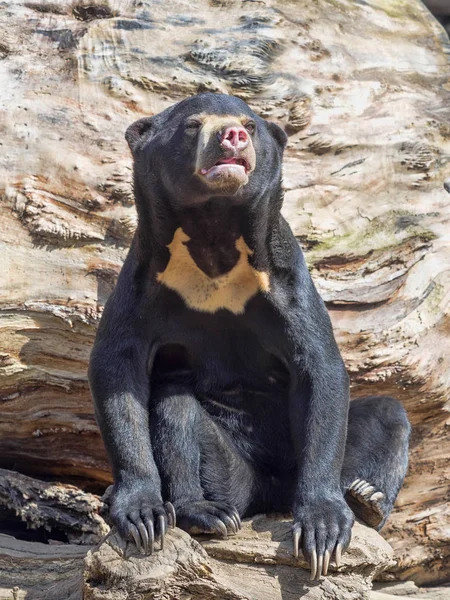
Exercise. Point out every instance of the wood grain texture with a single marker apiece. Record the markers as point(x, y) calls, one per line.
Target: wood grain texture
point(363, 90)
point(257, 563)
point(40, 571)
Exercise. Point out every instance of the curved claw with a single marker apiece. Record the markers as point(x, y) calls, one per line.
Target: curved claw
point(144, 537)
point(326, 562)
point(222, 528)
point(361, 485)
point(376, 496)
point(171, 515)
point(313, 565)
point(367, 491)
point(135, 535)
point(363, 489)
point(237, 522)
point(151, 537)
point(338, 555)
point(162, 529)
point(319, 566)
point(231, 522)
point(238, 518)
point(297, 535)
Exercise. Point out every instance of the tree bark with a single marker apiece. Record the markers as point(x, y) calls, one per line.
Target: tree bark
point(257, 563)
point(31, 570)
point(52, 507)
point(361, 88)
point(260, 555)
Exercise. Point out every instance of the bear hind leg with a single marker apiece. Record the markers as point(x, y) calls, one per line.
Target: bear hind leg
point(202, 475)
point(376, 457)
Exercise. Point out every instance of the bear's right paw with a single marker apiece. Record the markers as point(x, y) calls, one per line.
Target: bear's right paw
point(140, 515)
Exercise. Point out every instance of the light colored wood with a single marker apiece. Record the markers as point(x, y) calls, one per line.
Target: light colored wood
point(38, 571)
point(257, 564)
point(381, 596)
point(411, 591)
point(361, 87)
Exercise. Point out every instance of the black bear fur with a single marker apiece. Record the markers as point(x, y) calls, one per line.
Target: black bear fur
point(218, 385)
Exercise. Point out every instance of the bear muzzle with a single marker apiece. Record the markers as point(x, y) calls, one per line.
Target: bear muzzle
point(225, 157)
point(228, 168)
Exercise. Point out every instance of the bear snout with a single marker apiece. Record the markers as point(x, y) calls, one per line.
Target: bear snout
point(233, 138)
point(225, 153)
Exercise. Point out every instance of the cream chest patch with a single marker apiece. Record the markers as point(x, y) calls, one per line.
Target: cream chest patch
point(200, 292)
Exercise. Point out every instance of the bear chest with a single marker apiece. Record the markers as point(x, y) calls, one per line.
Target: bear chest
point(230, 291)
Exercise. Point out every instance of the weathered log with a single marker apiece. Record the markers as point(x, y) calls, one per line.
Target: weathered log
point(361, 88)
point(261, 554)
point(255, 564)
point(54, 507)
point(38, 571)
point(407, 589)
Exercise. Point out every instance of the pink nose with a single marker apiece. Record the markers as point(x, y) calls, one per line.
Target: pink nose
point(234, 137)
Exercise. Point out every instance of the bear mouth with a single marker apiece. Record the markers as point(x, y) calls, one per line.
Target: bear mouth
point(236, 167)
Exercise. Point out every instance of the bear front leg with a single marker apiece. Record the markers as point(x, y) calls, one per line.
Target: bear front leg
point(318, 412)
point(120, 387)
point(322, 518)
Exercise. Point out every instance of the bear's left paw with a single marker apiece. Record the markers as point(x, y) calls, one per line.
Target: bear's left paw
point(322, 529)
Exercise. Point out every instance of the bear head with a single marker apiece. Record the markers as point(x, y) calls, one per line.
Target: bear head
point(207, 146)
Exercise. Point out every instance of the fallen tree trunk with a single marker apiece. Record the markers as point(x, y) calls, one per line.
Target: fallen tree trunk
point(362, 90)
point(40, 571)
point(257, 563)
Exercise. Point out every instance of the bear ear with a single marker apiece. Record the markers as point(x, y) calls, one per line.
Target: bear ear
point(278, 134)
point(136, 132)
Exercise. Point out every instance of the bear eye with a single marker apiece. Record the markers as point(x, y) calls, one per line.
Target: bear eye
point(192, 126)
point(250, 127)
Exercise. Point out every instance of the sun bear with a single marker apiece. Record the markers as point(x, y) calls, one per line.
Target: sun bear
point(219, 389)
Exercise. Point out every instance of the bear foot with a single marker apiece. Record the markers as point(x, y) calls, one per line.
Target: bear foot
point(366, 502)
point(208, 517)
